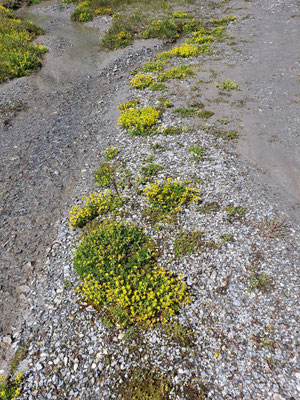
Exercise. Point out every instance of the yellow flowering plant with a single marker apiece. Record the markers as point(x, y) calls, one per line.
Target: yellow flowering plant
point(95, 204)
point(117, 263)
point(104, 175)
point(181, 72)
point(169, 196)
point(10, 388)
point(137, 121)
point(142, 81)
point(18, 57)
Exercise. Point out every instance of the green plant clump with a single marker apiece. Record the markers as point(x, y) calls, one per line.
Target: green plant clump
point(95, 204)
point(150, 169)
point(198, 152)
point(142, 81)
point(117, 263)
point(169, 196)
point(181, 72)
point(10, 388)
point(104, 175)
point(83, 12)
point(117, 41)
point(146, 385)
point(191, 242)
point(18, 57)
point(228, 85)
point(137, 121)
point(111, 152)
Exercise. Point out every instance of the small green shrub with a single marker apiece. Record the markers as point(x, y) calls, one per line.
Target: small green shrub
point(150, 169)
point(261, 281)
point(83, 12)
point(169, 196)
point(191, 242)
point(235, 212)
point(198, 152)
point(95, 204)
point(157, 147)
point(104, 175)
point(103, 11)
point(18, 57)
point(138, 121)
point(162, 29)
point(153, 65)
point(205, 114)
point(228, 85)
point(142, 81)
point(111, 153)
point(179, 333)
point(10, 388)
point(181, 72)
point(145, 385)
point(117, 41)
point(186, 111)
point(117, 265)
point(155, 87)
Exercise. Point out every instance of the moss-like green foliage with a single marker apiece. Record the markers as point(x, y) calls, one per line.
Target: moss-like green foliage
point(145, 385)
point(18, 57)
point(162, 29)
point(117, 263)
point(155, 87)
point(191, 242)
point(223, 21)
point(150, 169)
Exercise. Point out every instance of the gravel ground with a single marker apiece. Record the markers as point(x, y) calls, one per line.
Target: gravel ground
point(245, 339)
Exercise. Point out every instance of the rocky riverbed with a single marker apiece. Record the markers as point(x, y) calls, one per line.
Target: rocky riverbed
point(242, 327)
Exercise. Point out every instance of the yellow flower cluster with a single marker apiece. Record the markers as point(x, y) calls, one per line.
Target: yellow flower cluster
point(169, 196)
point(104, 175)
point(94, 205)
point(180, 14)
point(201, 37)
point(138, 121)
point(18, 57)
point(146, 299)
point(185, 50)
point(10, 389)
point(103, 11)
point(142, 81)
point(153, 65)
point(111, 152)
point(180, 72)
point(117, 263)
point(223, 21)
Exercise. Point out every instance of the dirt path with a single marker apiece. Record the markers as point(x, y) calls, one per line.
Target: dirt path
point(49, 143)
point(272, 116)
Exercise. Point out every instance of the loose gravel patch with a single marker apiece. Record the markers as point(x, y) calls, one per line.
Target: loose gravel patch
point(243, 320)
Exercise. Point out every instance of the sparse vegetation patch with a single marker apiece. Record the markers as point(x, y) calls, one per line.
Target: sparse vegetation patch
point(18, 56)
